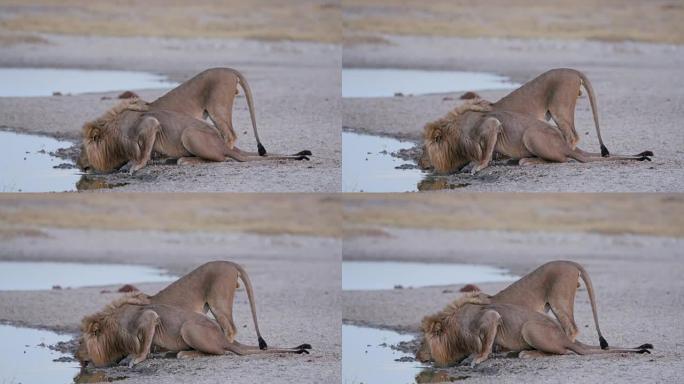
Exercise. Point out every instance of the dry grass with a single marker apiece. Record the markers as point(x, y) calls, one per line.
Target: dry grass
point(8, 38)
point(304, 20)
point(301, 214)
point(613, 20)
point(641, 214)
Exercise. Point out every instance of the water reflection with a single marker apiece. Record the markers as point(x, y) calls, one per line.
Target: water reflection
point(25, 357)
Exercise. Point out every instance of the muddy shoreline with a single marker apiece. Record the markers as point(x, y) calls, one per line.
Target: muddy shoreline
point(638, 89)
point(295, 85)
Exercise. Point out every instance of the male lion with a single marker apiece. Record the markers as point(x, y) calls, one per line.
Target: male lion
point(465, 328)
point(131, 326)
point(473, 132)
point(552, 286)
point(130, 134)
point(551, 95)
point(209, 94)
point(211, 288)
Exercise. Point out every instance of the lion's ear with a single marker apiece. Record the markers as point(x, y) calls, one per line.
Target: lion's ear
point(92, 131)
point(432, 325)
point(434, 132)
point(94, 327)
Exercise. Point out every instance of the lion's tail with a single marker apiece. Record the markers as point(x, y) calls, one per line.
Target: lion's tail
point(250, 296)
point(250, 103)
point(592, 299)
point(594, 110)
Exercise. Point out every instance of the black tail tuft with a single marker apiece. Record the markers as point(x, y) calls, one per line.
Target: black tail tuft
point(262, 150)
point(262, 343)
point(645, 346)
point(305, 152)
point(644, 351)
point(642, 158)
point(308, 346)
point(604, 343)
point(646, 153)
point(604, 151)
point(304, 351)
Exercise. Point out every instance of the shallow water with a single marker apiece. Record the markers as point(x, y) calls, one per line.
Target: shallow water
point(23, 82)
point(26, 164)
point(368, 166)
point(374, 275)
point(23, 361)
point(386, 82)
point(15, 276)
point(367, 357)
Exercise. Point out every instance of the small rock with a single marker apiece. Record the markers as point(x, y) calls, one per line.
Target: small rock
point(469, 95)
point(447, 291)
point(470, 288)
point(64, 359)
point(447, 98)
point(105, 98)
point(56, 93)
point(105, 291)
point(128, 95)
point(57, 287)
point(398, 286)
point(398, 94)
point(128, 288)
point(64, 166)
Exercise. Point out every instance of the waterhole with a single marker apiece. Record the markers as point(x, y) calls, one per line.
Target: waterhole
point(387, 82)
point(19, 275)
point(25, 82)
point(374, 275)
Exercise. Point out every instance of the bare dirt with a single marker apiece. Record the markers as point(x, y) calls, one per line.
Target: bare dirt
point(295, 86)
point(638, 87)
point(636, 278)
point(296, 279)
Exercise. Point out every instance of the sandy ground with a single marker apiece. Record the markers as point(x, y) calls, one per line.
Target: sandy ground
point(637, 279)
point(638, 86)
point(295, 86)
point(296, 280)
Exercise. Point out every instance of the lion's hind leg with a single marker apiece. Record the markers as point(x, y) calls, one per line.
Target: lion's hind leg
point(220, 300)
point(545, 336)
point(203, 336)
point(546, 143)
point(203, 142)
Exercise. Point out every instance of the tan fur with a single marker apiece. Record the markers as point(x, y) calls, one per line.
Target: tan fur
point(471, 329)
point(211, 288)
point(107, 335)
point(474, 137)
point(552, 286)
point(551, 95)
point(102, 340)
point(124, 134)
point(132, 330)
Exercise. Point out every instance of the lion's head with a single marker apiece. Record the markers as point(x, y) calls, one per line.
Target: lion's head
point(103, 147)
point(103, 341)
point(444, 341)
point(446, 149)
